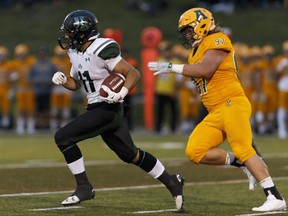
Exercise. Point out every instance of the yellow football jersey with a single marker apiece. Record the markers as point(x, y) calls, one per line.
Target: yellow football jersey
point(62, 64)
point(23, 69)
point(224, 83)
point(166, 83)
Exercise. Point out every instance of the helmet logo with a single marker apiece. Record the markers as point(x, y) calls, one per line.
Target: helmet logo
point(200, 15)
point(81, 24)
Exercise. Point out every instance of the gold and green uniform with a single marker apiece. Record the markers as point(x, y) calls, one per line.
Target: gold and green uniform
point(228, 107)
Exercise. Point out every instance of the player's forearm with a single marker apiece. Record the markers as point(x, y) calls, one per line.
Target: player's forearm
point(72, 84)
point(132, 78)
point(198, 71)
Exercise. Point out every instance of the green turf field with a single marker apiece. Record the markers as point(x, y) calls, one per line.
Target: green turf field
point(35, 179)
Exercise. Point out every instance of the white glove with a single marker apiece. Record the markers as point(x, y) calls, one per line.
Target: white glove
point(160, 67)
point(165, 67)
point(114, 97)
point(59, 78)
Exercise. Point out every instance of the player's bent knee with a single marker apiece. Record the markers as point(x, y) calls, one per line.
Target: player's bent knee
point(244, 155)
point(57, 138)
point(60, 138)
point(137, 157)
point(127, 157)
point(192, 156)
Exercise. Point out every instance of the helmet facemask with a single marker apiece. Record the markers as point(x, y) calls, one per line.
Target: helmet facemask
point(187, 37)
point(67, 40)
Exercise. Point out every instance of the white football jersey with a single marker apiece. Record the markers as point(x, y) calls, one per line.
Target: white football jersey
point(91, 69)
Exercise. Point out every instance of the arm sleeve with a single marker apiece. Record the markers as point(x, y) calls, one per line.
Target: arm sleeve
point(111, 55)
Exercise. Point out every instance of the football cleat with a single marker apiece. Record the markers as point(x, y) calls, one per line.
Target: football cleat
point(177, 191)
point(251, 178)
point(271, 204)
point(81, 194)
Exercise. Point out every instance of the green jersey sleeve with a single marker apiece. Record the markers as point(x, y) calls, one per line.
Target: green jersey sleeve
point(112, 50)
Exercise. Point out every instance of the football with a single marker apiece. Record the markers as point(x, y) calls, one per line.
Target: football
point(114, 82)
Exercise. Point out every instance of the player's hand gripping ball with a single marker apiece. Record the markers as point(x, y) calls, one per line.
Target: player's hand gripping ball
point(113, 87)
point(114, 82)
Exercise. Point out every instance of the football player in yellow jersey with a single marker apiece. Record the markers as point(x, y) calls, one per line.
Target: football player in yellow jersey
point(189, 101)
point(266, 112)
point(282, 71)
point(246, 74)
point(250, 74)
point(25, 98)
point(257, 95)
point(213, 68)
point(5, 86)
point(60, 97)
point(165, 93)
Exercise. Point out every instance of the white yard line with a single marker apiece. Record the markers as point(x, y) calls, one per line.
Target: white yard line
point(52, 163)
point(155, 211)
point(264, 213)
point(144, 187)
point(56, 208)
point(139, 187)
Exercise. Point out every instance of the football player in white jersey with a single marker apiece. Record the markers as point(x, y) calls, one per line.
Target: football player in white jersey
point(93, 58)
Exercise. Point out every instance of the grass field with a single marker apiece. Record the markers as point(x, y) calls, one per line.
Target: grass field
point(35, 179)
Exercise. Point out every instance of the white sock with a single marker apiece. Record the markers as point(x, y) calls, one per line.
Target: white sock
point(77, 166)
point(31, 125)
point(229, 158)
point(267, 183)
point(53, 124)
point(157, 170)
point(20, 125)
point(281, 119)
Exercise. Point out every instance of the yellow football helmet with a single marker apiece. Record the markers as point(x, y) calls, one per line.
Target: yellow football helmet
point(3, 53)
point(256, 52)
point(3, 50)
point(193, 25)
point(164, 45)
point(268, 49)
point(180, 52)
point(285, 45)
point(268, 52)
point(244, 51)
point(21, 50)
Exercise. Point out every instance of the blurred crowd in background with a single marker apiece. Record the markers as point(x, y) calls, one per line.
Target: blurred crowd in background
point(30, 101)
point(152, 7)
point(30, 3)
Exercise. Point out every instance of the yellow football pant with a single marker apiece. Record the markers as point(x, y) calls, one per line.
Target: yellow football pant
point(229, 120)
point(25, 101)
point(60, 100)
